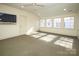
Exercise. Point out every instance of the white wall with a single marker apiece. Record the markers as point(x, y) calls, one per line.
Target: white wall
point(62, 30)
point(78, 25)
point(25, 21)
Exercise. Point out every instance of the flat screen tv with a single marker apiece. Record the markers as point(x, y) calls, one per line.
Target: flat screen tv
point(4, 17)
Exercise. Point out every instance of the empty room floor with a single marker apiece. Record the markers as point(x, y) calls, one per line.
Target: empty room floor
point(39, 44)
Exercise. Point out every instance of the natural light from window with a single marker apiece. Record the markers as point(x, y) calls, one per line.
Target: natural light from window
point(65, 42)
point(49, 23)
point(29, 32)
point(36, 36)
point(42, 23)
point(57, 23)
point(48, 38)
point(39, 35)
point(69, 22)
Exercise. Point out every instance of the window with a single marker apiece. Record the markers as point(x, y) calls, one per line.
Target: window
point(42, 23)
point(49, 23)
point(69, 22)
point(57, 23)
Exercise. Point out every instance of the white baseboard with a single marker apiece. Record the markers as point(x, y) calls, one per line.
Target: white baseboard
point(9, 37)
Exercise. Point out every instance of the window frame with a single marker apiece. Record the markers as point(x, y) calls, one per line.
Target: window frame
point(73, 22)
point(51, 23)
point(56, 22)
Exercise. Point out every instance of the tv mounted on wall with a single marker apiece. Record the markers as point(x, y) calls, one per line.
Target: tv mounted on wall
point(4, 17)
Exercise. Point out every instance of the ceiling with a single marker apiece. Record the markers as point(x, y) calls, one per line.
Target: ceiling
point(48, 9)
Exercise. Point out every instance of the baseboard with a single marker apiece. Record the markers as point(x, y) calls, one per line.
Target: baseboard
point(59, 34)
point(10, 37)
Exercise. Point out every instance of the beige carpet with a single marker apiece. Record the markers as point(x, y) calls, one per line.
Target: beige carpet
point(29, 46)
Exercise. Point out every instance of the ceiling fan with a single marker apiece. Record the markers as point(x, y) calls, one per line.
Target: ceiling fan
point(35, 5)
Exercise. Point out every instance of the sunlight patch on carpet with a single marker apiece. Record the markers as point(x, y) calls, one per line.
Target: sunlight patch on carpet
point(65, 42)
point(48, 38)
